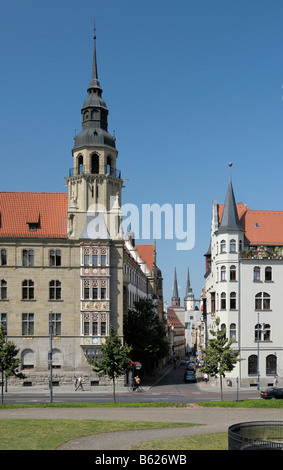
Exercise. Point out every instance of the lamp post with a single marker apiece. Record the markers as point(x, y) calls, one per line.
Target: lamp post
point(258, 351)
point(50, 361)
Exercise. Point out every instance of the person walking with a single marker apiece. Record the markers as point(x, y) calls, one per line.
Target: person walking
point(75, 382)
point(80, 383)
point(275, 381)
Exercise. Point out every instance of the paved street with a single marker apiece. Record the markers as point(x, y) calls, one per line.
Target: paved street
point(167, 386)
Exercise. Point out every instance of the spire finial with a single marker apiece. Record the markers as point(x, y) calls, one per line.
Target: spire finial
point(230, 165)
point(94, 63)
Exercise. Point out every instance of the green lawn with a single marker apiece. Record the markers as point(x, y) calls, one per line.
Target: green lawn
point(45, 434)
point(217, 441)
point(48, 434)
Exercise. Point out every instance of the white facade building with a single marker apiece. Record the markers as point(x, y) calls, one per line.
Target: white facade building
point(243, 287)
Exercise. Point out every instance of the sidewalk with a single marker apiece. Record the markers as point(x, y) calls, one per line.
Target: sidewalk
point(147, 384)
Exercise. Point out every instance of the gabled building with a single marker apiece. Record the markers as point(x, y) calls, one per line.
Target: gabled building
point(243, 283)
point(64, 255)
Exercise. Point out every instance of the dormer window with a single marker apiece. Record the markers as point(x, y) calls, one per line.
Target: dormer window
point(32, 227)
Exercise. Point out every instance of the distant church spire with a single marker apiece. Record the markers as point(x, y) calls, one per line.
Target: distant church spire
point(175, 299)
point(189, 290)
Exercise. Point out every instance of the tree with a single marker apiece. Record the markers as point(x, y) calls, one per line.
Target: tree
point(219, 356)
point(146, 333)
point(9, 364)
point(115, 358)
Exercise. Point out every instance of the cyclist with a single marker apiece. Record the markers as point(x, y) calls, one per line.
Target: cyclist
point(136, 383)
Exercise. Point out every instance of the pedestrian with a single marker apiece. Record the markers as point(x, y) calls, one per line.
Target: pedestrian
point(80, 383)
point(205, 376)
point(275, 381)
point(137, 382)
point(75, 382)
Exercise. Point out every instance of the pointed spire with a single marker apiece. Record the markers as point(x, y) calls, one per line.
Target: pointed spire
point(175, 299)
point(189, 290)
point(94, 83)
point(230, 218)
point(95, 114)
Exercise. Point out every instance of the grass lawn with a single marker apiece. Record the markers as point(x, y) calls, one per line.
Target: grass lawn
point(44, 434)
point(48, 434)
point(217, 441)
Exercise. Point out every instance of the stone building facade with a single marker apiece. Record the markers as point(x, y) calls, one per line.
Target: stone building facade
point(63, 254)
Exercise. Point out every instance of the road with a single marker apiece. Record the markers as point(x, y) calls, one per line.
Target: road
point(170, 388)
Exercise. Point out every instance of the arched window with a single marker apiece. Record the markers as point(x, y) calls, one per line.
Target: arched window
point(223, 328)
point(268, 273)
point(252, 364)
point(80, 164)
point(262, 301)
point(232, 246)
point(223, 246)
point(233, 301)
point(3, 289)
point(28, 257)
point(27, 361)
point(95, 164)
point(223, 301)
point(233, 273)
point(233, 331)
point(55, 258)
point(3, 257)
point(108, 165)
point(271, 365)
point(256, 273)
point(223, 273)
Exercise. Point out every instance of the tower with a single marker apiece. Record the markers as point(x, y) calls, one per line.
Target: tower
point(94, 183)
point(94, 220)
point(175, 299)
point(189, 300)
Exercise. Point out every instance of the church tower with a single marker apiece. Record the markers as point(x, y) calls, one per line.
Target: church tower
point(95, 220)
point(94, 183)
point(189, 300)
point(175, 299)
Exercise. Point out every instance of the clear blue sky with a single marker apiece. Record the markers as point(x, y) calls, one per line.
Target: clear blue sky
point(190, 85)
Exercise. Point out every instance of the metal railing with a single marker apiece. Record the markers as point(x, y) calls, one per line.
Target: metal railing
point(256, 435)
point(109, 171)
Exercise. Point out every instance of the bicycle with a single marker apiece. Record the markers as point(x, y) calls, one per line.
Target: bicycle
point(136, 388)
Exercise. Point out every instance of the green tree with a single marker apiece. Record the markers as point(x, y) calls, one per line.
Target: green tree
point(220, 357)
point(9, 364)
point(115, 358)
point(146, 333)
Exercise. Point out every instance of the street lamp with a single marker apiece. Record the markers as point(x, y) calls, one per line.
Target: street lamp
point(50, 361)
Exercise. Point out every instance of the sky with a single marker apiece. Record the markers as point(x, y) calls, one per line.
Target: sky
point(190, 86)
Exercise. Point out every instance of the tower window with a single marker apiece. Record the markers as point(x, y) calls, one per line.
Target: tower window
point(95, 164)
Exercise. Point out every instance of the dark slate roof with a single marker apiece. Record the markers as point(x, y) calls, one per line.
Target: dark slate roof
point(230, 219)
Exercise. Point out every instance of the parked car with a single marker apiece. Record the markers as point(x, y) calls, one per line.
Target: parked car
point(272, 393)
point(189, 376)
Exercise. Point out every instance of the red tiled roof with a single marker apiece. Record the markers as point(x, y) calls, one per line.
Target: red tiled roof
point(47, 210)
point(173, 319)
point(146, 253)
point(261, 227)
